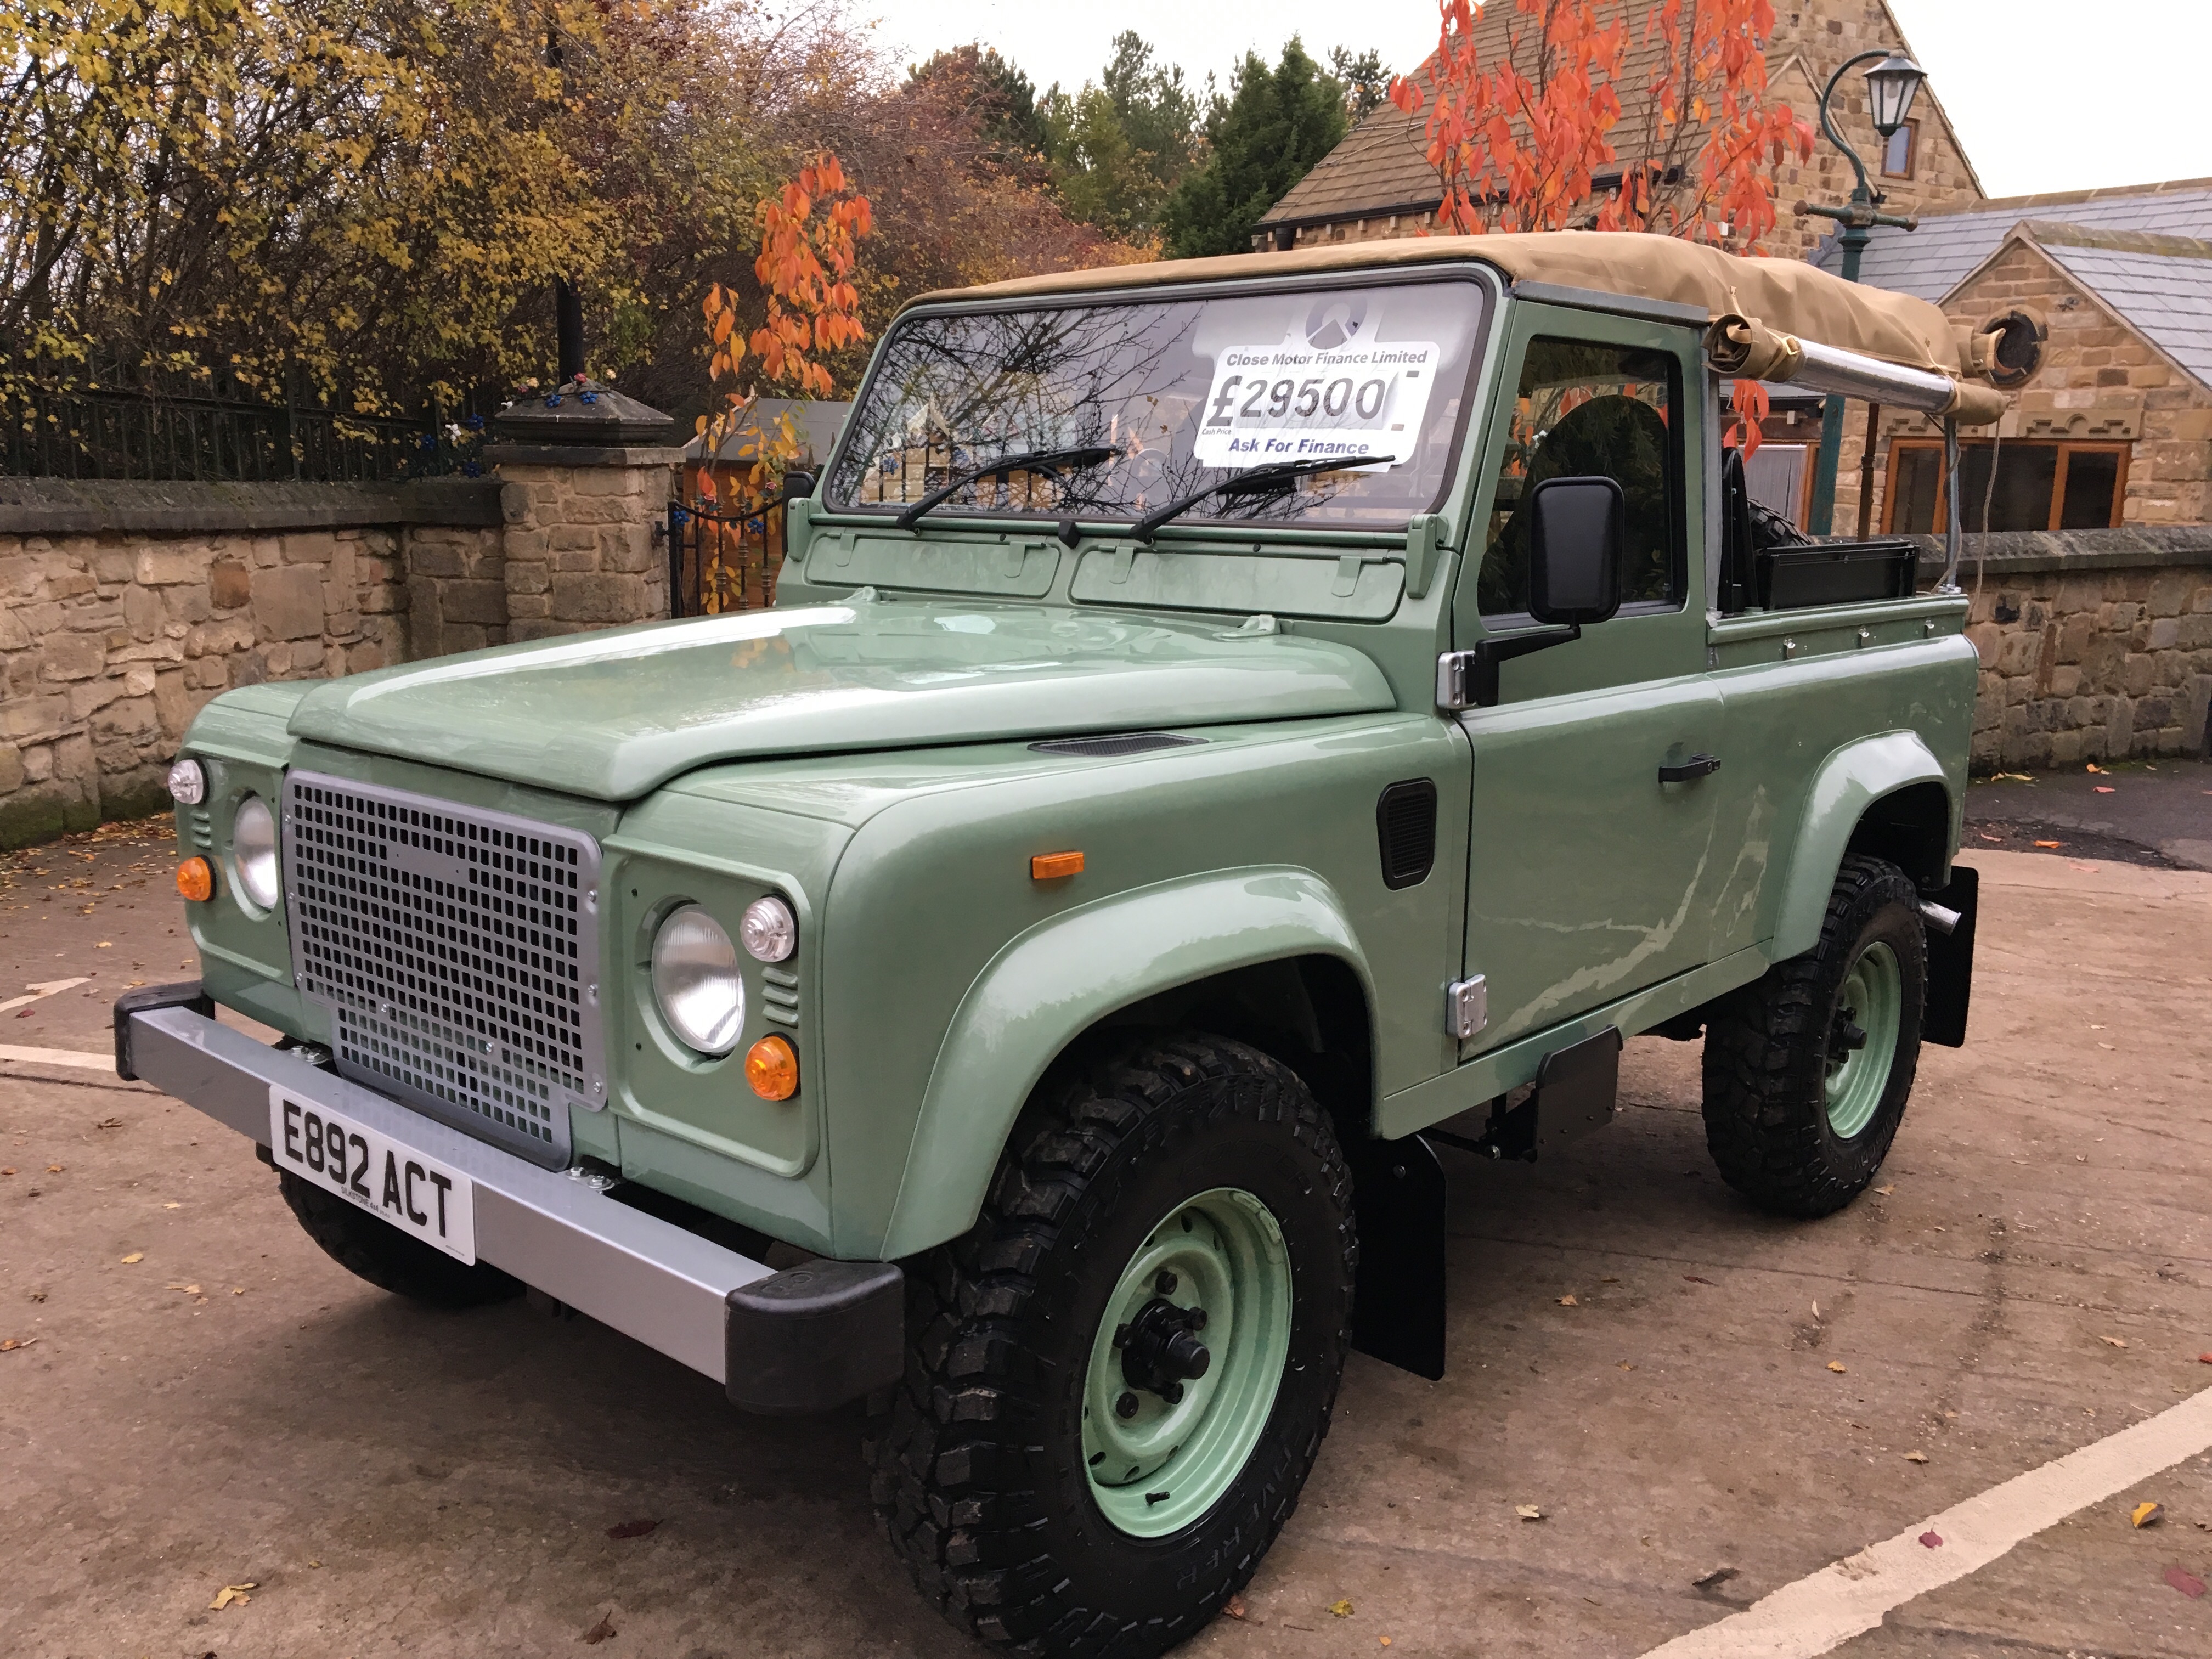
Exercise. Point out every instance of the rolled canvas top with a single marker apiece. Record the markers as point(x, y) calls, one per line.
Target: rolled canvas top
point(1784, 293)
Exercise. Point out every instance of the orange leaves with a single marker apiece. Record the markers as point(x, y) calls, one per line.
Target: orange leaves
point(1748, 403)
point(1519, 137)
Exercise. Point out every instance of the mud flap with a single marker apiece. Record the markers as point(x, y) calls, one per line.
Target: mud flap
point(1951, 961)
point(1398, 1306)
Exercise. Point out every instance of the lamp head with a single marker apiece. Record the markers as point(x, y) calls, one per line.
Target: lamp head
point(1892, 85)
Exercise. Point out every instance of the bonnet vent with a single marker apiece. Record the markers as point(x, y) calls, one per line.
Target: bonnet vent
point(1405, 827)
point(1120, 742)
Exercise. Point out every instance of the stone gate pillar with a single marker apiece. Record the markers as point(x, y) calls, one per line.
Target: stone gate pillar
point(588, 473)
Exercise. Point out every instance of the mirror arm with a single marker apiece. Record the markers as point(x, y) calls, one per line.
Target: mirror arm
point(1469, 680)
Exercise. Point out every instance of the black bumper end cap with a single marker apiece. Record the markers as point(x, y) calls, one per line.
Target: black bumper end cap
point(815, 1336)
point(187, 995)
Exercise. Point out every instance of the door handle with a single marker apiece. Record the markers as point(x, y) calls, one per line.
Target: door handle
point(1697, 766)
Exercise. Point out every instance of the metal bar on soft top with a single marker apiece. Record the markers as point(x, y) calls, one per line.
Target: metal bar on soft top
point(644, 1277)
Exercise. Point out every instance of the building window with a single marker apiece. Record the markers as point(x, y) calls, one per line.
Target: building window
point(2041, 485)
point(1903, 148)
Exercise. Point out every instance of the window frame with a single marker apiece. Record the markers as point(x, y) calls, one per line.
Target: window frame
point(2067, 447)
point(1912, 130)
point(1678, 480)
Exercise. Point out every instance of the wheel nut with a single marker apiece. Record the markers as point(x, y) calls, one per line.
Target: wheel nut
point(1165, 1284)
point(1172, 1394)
point(1125, 1406)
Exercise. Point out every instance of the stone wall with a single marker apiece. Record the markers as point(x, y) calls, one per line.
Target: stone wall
point(125, 607)
point(580, 547)
point(2094, 644)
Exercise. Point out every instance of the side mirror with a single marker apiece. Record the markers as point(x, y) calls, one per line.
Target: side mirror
point(1578, 529)
point(798, 486)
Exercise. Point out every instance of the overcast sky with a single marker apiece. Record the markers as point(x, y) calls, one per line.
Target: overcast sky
point(2047, 95)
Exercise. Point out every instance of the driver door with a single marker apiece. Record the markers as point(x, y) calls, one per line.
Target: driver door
point(1588, 877)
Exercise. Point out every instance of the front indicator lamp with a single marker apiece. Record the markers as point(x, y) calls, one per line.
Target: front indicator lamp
point(696, 981)
point(196, 879)
point(253, 851)
point(772, 1069)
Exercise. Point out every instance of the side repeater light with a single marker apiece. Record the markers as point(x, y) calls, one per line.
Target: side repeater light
point(772, 1069)
point(196, 879)
point(1052, 867)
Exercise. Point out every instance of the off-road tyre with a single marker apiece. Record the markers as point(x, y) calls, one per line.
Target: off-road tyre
point(1768, 1049)
point(380, 1253)
point(979, 1472)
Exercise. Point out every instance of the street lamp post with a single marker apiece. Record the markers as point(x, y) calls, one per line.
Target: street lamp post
point(1892, 85)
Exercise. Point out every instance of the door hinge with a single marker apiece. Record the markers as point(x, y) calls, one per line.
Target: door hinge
point(1466, 1008)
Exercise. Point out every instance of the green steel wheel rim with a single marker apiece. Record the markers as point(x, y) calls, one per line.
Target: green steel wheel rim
point(1162, 1468)
point(1871, 1007)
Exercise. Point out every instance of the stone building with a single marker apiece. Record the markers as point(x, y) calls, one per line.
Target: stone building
point(1378, 182)
point(2115, 427)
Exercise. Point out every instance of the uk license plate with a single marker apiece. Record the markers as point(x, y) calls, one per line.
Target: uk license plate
point(422, 1197)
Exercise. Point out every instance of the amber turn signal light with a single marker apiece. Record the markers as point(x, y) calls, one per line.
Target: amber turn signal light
point(772, 1069)
point(1051, 866)
point(196, 878)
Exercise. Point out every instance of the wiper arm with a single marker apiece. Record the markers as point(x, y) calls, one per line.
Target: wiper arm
point(1274, 479)
point(1037, 460)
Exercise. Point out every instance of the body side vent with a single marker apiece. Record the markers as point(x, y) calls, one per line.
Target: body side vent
point(1406, 829)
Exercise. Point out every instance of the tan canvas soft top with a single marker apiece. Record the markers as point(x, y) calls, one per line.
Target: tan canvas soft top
point(1785, 294)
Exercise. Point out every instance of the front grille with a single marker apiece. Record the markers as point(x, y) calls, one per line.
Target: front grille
point(456, 951)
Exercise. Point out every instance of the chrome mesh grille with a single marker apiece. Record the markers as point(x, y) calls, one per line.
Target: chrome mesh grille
point(456, 949)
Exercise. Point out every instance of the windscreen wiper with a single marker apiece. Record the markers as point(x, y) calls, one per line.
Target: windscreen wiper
point(1276, 477)
point(1037, 460)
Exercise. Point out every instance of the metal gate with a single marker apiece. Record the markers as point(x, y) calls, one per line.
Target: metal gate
point(719, 560)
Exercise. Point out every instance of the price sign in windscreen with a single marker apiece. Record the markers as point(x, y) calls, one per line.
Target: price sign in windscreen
point(1329, 386)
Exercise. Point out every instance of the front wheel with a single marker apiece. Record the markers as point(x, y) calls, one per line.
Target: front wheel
point(1807, 1070)
point(1119, 1379)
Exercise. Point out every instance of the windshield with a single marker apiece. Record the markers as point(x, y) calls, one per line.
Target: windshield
point(1183, 391)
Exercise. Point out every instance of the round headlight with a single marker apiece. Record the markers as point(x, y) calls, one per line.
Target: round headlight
point(695, 981)
point(768, 929)
point(187, 783)
point(253, 851)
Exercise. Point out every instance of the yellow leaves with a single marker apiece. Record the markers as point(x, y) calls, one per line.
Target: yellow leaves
point(1341, 1609)
point(1838, 1366)
point(2144, 1514)
point(134, 1258)
point(230, 1593)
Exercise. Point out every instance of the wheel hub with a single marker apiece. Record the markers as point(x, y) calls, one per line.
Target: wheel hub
point(1863, 1039)
point(1160, 1349)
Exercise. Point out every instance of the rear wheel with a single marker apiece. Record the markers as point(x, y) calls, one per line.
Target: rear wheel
point(387, 1258)
point(1118, 1381)
point(1807, 1070)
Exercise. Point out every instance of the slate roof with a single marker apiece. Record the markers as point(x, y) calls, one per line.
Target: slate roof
point(1948, 247)
point(2163, 292)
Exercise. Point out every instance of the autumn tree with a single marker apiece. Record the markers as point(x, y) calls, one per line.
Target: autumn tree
point(1527, 113)
point(1119, 147)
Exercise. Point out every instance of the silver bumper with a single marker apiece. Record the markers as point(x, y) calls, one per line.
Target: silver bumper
point(802, 1339)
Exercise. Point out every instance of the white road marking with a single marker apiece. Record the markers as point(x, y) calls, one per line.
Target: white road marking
point(1850, 1596)
point(39, 990)
point(76, 1057)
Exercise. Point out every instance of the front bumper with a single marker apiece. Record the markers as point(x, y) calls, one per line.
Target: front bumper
point(803, 1339)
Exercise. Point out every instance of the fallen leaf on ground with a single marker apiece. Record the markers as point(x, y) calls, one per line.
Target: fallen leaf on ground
point(1625, 1366)
point(2116, 1342)
point(1886, 1191)
point(1341, 1609)
point(10, 1344)
point(172, 1206)
point(2106, 789)
point(8, 1171)
point(2092, 766)
point(1837, 1366)
point(600, 1631)
point(53, 1169)
point(229, 1593)
point(2144, 1514)
point(2204, 1359)
point(1528, 1511)
point(109, 945)
point(1915, 1457)
point(631, 1528)
point(1569, 1302)
point(134, 1258)
point(1235, 1609)
point(1933, 1540)
point(1385, 1641)
point(1717, 1577)
point(1694, 1279)
point(2187, 1582)
point(2051, 843)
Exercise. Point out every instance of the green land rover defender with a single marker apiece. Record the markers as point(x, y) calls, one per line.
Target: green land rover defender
point(1227, 729)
